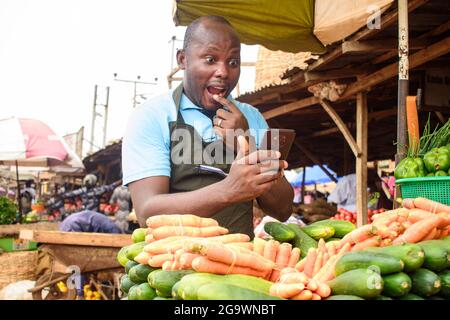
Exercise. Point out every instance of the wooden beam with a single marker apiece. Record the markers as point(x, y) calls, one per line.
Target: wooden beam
point(77, 238)
point(334, 74)
point(441, 117)
point(290, 107)
point(433, 51)
point(435, 32)
point(386, 21)
point(342, 127)
point(379, 45)
point(361, 159)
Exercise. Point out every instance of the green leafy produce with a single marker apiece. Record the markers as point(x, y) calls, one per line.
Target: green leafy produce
point(438, 159)
point(8, 211)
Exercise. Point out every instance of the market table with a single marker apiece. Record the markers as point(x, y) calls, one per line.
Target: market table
point(62, 254)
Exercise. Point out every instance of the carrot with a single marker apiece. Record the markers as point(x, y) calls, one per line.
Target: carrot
point(288, 270)
point(177, 254)
point(416, 215)
point(142, 257)
point(304, 295)
point(245, 245)
point(297, 277)
point(445, 220)
point(270, 250)
point(148, 231)
point(312, 285)
point(300, 266)
point(232, 255)
point(258, 246)
point(359, 235)
point(167, 265)
point(187, 258)
point(321, 246)
point(328, 270)
point(310, 261)
point(325, 258)
point(317, 264)
point(149, 238)
point(315, 296)
point(323, 290)
point(430, 205)
point(385, 242)
point(230, 238)
point(183, 220)
point(203, 264)
point(371, 242)
point(158, 247)
point(286, 290)
point(158, 260)
point(331, 249)
point(202, 232)
point(431, 235)
point(418, 230)
point(293, 259)
point(445, 232)
point(408, 203)
point(281, 260)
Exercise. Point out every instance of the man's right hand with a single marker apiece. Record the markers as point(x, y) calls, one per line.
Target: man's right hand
point(251, 175)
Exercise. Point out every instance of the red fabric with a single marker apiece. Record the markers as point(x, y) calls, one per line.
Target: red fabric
point(41, 141)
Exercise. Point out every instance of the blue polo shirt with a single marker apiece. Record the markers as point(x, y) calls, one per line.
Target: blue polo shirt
point(146, 143)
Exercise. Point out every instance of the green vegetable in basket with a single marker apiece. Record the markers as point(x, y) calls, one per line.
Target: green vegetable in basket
point(437, 159)
point(410, 168)
point(440, 173)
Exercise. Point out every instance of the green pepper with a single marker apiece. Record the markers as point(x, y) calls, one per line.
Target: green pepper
point(431, 174)
point(437, 159)
point(440, 173)
point(410, 168)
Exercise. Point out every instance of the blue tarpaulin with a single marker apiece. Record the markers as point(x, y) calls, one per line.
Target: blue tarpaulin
point(314, 175)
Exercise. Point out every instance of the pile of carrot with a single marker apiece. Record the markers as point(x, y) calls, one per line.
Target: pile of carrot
point(420, 219)
point(296, 285)
point(320, 262)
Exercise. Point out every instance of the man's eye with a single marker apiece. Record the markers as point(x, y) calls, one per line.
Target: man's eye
point(234, 62)
point(209, 59)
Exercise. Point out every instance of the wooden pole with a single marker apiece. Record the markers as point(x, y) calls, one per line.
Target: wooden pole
point(18, 192)
point(361, 160)
point(403, 76)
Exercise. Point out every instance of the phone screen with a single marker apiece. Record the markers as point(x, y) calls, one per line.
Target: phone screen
point(278, 140)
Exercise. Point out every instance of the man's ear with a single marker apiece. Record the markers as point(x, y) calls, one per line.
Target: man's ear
point(181, 59)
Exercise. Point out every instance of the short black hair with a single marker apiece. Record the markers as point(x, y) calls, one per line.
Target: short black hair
point(193, 27)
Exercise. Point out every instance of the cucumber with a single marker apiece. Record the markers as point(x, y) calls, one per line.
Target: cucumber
point(411, 254)
point(445, 283)
point(130, 264)
point(364, 283)
point(437, 256)
point(144, 292)
point(164, 280)
point(411, 296)
point(425, 282)
point(138, 274)
point(341, 227)
point(381, 262)
point(132, 293)
point(343, 297)
point(188, 287)
point(225, 291)
point(279, 231)
point(318, 232)
point(126, 284)
point(160, 298)
point(162, 295)
point(122, 256)
point(134, 249)
point(435, 298)
point(396, 285)
point(302, 240)
point(138, 235)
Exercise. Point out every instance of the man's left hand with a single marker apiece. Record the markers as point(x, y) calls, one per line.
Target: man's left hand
point(231, 119)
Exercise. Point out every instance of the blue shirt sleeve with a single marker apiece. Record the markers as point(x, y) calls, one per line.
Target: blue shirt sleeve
point(146, 143)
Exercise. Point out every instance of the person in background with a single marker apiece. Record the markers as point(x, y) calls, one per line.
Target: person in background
point(89, 221)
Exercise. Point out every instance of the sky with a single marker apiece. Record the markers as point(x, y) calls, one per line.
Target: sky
point(53, 53)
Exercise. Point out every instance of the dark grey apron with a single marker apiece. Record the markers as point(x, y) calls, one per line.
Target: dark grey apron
point(237, 218)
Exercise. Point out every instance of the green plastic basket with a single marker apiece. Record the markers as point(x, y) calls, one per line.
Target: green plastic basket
point(433, 188)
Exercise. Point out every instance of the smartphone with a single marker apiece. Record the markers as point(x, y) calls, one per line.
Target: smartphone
point(278, 140)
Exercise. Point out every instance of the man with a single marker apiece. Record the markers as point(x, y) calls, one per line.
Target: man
point(89, 221)
point(201, 106)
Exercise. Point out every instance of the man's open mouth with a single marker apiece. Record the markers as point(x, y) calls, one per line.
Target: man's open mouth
point(220, 91)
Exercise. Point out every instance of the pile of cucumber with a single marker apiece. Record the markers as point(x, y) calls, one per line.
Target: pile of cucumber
point(406, 272)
